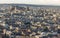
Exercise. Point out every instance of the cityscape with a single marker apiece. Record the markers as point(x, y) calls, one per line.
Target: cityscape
point(29, 21)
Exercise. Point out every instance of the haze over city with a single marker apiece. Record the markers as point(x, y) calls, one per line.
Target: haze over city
point(38, 2)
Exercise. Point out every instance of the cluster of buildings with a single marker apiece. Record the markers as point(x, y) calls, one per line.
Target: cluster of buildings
point(29, 22)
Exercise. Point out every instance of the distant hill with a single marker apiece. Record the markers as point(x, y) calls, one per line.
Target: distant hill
point(6, 5)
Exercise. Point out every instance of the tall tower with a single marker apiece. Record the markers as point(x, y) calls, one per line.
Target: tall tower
point(15, 9)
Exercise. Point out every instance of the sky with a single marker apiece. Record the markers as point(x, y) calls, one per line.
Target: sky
point(38, 2)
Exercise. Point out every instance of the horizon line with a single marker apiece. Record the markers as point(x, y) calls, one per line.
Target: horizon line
point(27, 4)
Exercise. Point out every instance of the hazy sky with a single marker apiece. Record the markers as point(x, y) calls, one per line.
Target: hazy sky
point(39, 2)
